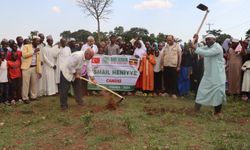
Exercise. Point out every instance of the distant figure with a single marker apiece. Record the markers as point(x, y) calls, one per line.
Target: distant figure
point(50, 59)
point(63, 52)
point(235, 61)
point(147, 70)
point(31, 70)
point(20, 42)
point(90, 44)
point(15, 77)
point(4, 85)
point(113, 48)
point(72, 45)
point(246, 80)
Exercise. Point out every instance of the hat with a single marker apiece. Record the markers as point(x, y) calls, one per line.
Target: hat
point(235, 40)
point(72, 39)
point(49, 37)
point(210, 36)
point(36, 37)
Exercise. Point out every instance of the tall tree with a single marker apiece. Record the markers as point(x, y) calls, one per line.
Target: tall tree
point(99, 9)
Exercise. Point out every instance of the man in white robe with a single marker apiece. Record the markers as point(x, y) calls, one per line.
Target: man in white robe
point(41, 86)
point(49, 59)
point(90, 44)
point(63, 53)
point(211, 90)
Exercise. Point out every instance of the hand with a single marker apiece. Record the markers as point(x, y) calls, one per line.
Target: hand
point(39, 75)
point(178, 69)
point(54, 67)
point(93, 80)
point(192, 45)
point(77, 76)
point(37, 50)
point(195, 38)
point(162, 68)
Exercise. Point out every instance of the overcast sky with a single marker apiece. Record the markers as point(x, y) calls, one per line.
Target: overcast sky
point(178, 17)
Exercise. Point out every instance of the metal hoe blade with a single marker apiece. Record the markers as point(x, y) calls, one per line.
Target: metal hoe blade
point(202, 7)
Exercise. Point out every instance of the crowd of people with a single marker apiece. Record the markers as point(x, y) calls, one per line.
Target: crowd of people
point(31, 68)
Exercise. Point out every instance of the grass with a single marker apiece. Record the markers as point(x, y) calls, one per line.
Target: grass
point(151, 123)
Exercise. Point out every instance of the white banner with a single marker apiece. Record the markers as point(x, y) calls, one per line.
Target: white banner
point(117, 72)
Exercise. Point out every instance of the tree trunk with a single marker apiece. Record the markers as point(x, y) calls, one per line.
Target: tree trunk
point(98, 30)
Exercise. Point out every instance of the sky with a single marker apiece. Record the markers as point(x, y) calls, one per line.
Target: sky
point(178, 17)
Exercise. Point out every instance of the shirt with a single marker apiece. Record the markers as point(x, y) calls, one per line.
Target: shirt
point(86, 46)
point(74, 64)
point(14, 69)
point(157, 66)
point(113, 49)
point(19, 55)
point(33, 62)
point(3, 72)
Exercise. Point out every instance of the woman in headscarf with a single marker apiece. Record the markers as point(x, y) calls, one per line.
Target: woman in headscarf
point(235, 59)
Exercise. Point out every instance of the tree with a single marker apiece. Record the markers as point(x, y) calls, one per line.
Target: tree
point(248, 33)
point(220, 38)
point(66, 35)
point(161, 37)
point(135, 32)
point(81, 35)
point(118, 31)
point(99, 9)
point(102, 35)
point(214, 32)
point(33, 33)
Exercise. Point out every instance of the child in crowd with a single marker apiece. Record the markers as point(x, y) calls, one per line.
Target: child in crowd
point(246, 80)
point(157, 73)
point(147, 70)
point(15, 77)
point(4, 89)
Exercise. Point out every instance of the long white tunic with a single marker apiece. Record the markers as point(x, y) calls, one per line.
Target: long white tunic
point(63, 54)
point(40, 84)
point(246, 77)
point(49, 59)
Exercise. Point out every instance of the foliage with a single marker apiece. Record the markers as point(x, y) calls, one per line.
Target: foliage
point(220, 38)
point(86, 119)
point(134, 32)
